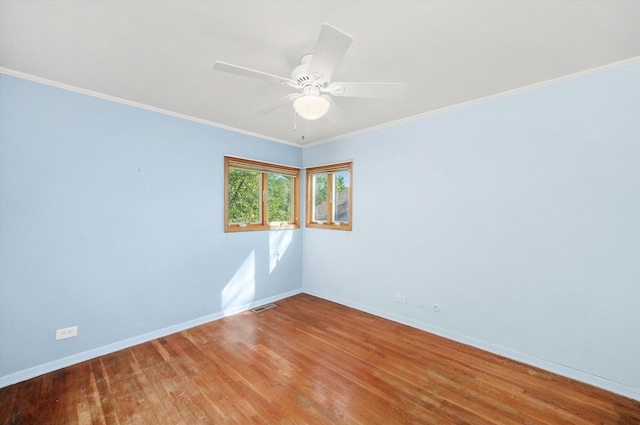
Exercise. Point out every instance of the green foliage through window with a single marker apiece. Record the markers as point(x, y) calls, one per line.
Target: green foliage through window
point(280, 199)
point(320, 186)
point(260, 196)
point(244, 196)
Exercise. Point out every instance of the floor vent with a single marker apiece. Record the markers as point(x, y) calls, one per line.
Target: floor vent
point(262, 308)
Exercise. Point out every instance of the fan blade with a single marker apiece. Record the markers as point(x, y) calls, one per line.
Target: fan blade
point(336, 114)
point(373, 90)
point(278, 103)
point(330, 48)
point(247, 72)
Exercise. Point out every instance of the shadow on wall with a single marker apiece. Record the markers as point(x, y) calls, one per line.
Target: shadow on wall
point(240, 291)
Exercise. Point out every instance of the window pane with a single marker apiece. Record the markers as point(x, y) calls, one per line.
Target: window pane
point(320, 197)
point(341, 197)
point(280, 198)
point(244, 196)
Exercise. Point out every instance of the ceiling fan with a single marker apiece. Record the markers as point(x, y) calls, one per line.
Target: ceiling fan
point(312, 78)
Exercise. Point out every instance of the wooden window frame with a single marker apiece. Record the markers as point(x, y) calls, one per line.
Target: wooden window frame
point(330, 170)
point(265, 169)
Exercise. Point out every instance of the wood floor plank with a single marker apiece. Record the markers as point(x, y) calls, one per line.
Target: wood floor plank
point(308, 361)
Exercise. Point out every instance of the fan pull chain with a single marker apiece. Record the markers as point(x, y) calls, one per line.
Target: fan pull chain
point(295, 121)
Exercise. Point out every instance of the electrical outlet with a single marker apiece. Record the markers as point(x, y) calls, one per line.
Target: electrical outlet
point(399, 298)
point(66, 332)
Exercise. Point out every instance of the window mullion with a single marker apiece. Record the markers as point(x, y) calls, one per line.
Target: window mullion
point(330, 198)
point(265, 200)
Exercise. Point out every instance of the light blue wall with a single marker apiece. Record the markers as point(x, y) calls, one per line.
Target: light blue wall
point(519, 217)
point(111, 219)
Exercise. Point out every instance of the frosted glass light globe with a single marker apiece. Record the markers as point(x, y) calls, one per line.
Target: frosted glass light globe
point(311, 107)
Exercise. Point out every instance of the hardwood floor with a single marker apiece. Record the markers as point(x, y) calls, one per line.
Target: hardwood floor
point(308, 361)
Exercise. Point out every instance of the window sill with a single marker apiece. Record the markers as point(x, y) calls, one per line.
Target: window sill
point(341, 226)
point(260, 227)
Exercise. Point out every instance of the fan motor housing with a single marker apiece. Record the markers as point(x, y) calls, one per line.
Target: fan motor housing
point(300, 74)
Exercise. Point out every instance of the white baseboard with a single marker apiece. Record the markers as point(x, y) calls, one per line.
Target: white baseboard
point(559, 369)
point(547, 365)
point(32, 372)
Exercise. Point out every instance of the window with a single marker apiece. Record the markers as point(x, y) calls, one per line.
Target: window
point(329, 198)
point(260, 196)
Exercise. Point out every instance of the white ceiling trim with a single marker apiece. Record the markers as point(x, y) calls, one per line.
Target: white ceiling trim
point(524, 89)
point(103, 96)
point(158, 54)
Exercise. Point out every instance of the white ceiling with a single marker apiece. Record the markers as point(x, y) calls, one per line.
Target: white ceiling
point(160, 53)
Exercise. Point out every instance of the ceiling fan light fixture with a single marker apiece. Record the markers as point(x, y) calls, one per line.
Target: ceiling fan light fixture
point(311, 106)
